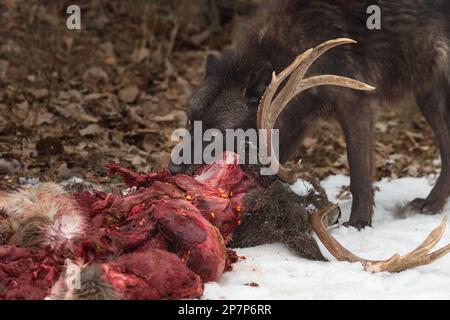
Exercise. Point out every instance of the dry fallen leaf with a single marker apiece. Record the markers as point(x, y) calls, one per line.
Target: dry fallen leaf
point(95, 75)
point(140, 54)
point(129, 94)
point(90, 130)
point(75, 111)
point(40, 93)
point(44, 117)
point(178, 116)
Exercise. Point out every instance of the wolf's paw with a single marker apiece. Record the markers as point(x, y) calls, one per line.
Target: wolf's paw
point(424, 206)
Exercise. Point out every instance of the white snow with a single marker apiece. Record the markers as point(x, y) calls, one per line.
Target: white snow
point(302, 187)
point(282, 275)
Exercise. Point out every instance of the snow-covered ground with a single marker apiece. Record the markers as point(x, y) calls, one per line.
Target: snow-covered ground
point(276, 273)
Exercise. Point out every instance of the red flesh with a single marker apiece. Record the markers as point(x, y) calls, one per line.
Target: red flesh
point(160, 242)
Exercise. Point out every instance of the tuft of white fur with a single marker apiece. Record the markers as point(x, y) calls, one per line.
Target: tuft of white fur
point(46, 202)
point(67, 226)
point(49, 188)
point(18, 203)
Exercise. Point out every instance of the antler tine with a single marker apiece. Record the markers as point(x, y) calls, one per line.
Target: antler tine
point(264, 109)
point(270, 108)
point(302, 65)
point(332, 80)
point(430, 258)
point(271, 90)
point(418, 257)
point(400, 263)
point(323, 80)
point(296, 71)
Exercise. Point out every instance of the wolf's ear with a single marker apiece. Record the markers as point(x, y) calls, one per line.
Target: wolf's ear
point(258, 81)
point(211, 64)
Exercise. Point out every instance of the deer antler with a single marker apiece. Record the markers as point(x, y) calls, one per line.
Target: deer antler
point(418, 257)
point(271, 107)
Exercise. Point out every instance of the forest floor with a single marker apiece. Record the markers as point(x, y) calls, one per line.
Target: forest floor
point(71, 101)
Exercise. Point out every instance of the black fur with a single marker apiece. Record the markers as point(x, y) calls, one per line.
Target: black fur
point(276, 214)
point(409, 56)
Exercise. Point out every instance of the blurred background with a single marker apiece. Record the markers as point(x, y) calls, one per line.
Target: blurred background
point(71, 101)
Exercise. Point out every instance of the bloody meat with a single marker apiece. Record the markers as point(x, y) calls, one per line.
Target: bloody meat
point(161, 241)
